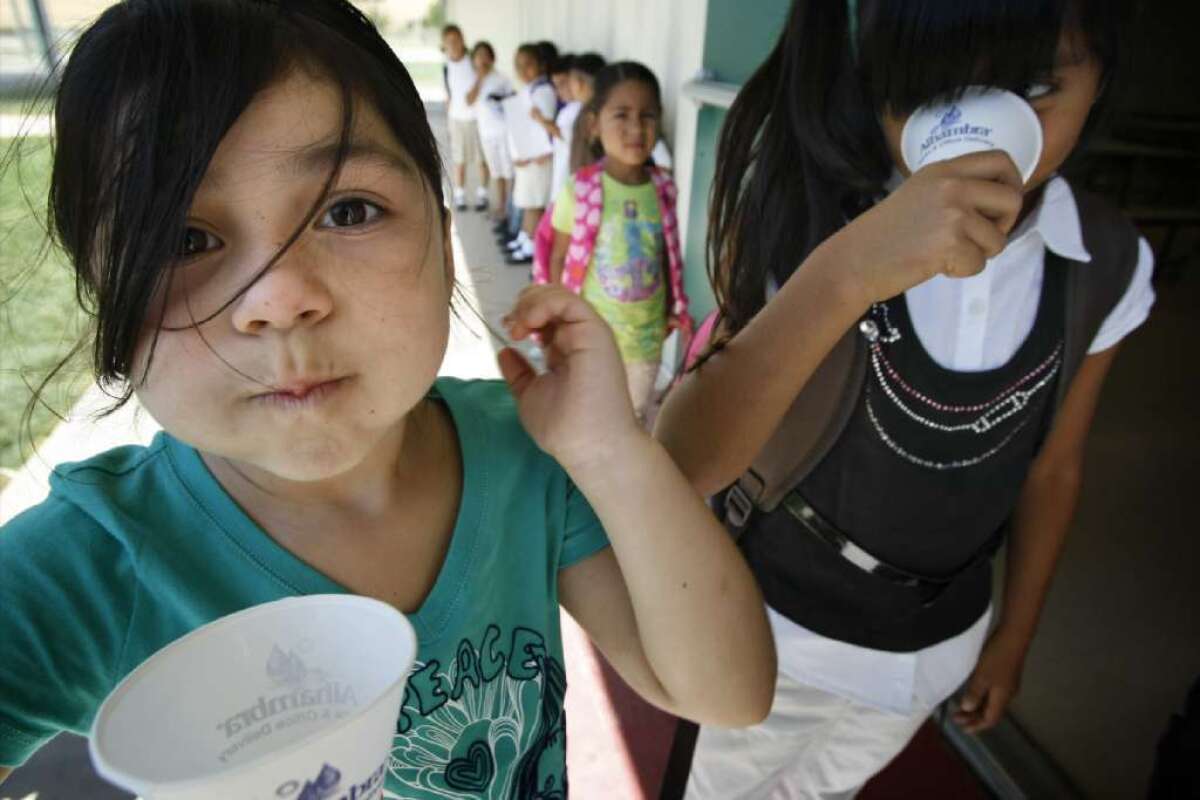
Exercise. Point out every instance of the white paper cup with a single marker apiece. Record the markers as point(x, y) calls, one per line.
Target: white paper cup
point(983, 119)
point(295, 699)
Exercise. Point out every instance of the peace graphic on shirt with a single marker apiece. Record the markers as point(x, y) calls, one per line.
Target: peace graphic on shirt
point(489, 724)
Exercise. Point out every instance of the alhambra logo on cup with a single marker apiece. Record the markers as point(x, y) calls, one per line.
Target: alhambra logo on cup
point(296, 699)
point(982, 119)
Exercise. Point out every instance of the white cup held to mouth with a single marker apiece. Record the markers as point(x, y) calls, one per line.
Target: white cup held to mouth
point(982, 119)
point(295, 700)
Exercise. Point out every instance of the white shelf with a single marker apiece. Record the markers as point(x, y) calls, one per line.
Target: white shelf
point(711, 93)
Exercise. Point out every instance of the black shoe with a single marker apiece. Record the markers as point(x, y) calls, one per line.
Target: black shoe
point(481, 205)
point(460, 206)
point(500, 226)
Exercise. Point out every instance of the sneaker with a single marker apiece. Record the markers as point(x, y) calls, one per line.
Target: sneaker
point(521, 255)
point(500, 226)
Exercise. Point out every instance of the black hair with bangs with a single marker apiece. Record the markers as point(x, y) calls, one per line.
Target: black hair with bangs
point(562, 65)
point(149, 92)
point(484, 46)
point(588, 64)
point(802, 151)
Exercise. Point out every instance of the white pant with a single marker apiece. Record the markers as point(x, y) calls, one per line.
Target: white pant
point(497, 157)
point(813, 746)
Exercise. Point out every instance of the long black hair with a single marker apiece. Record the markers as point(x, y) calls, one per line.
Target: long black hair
point(801, 150)
point(149, 91)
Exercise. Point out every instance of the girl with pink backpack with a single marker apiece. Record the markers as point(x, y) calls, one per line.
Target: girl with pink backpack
point(613, 234)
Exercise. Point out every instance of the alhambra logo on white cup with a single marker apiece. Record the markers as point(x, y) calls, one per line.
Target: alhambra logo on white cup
point(982, 118)
point(296, 699)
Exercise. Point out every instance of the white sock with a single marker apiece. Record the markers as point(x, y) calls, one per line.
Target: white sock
point(460, 195)
point(481, 193)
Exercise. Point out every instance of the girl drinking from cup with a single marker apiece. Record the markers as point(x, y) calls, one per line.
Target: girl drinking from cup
point(904, 371)
point(251, 197)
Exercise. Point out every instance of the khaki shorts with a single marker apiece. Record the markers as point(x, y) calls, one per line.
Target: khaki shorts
point(497, 157)
point(531, 187)
point(464, 142)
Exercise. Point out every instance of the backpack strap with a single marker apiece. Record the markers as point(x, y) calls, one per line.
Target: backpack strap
point(806, 432)
point(664, 186)
point(1095, 287)
point(589, 205)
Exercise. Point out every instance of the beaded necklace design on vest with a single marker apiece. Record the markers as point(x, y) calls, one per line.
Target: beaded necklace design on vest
point(878, 330)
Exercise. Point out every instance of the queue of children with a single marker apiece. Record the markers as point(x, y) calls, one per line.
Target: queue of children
point(902, 374)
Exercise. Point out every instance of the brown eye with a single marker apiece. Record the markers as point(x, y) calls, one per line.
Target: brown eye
point(349, 213)
point(196, 241)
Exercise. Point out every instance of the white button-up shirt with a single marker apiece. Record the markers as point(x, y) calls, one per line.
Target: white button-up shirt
point(968, 325)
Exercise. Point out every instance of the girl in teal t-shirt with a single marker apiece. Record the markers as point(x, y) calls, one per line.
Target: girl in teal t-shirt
point(251, 196)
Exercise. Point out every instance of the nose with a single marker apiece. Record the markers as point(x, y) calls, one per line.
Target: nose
point(291, 294)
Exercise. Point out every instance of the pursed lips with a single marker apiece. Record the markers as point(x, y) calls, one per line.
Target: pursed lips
point(294, 392)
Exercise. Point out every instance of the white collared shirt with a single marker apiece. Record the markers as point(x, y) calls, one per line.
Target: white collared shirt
point(460, 78)
point(977, 323)
point(967, 325)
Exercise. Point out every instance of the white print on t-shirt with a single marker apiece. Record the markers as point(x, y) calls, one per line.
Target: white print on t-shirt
point(502, 695)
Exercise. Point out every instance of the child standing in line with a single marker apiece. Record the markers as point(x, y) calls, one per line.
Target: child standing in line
point(615, 237)
point(560, 77)
point(254, 204)
point(905, 373)
point(531, 187)
point(584, 70)
point(460, 77)
point(561, 127)
point(492, 86)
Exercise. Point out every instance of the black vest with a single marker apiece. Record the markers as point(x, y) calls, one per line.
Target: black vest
point(924, 477)
point(802, 577)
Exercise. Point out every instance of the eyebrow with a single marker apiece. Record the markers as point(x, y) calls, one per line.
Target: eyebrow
point(321, 157)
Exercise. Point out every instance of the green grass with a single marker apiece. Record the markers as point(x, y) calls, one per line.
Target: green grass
point(15, 106)
point(39, 318)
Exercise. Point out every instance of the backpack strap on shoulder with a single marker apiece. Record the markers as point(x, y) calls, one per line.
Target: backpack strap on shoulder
point(589, 205)
point(807, 431)
point(1095, 287)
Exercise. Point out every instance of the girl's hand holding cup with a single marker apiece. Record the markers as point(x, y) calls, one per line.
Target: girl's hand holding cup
point(947, 219)
point(579, 409)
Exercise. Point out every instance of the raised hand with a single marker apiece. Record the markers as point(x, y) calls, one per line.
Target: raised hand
point(948, 218)
point(579, 409)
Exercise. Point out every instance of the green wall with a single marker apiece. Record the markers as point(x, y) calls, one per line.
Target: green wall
point(738, 36)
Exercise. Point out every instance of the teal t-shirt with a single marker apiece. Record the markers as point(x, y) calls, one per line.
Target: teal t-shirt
point(140, 545)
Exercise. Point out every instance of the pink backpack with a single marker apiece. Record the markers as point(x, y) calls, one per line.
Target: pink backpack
point(589, 203)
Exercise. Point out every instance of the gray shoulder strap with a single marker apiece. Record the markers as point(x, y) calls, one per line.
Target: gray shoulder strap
point(811, 425)
point(1094, 288)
